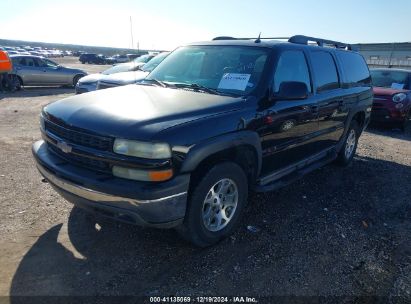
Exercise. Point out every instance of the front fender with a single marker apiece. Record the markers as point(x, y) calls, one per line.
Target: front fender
point(204, 149)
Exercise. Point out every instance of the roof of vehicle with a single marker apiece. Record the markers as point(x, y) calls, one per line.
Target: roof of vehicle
point(390, 69)
point(297, 41)
point(24, 55)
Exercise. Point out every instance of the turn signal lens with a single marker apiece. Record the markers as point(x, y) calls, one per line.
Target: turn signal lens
point(157, 176)
point(142, 175)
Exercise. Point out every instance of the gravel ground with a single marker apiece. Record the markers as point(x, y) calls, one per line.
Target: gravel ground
point(336, 232)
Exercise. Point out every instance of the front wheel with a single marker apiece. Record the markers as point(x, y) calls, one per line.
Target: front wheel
point(76, 79)
point(404, 124)
point(349, 147)
point(215, 205)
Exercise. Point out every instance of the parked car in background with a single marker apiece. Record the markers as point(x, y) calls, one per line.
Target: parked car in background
point(392, 97)
point(34, 71)
point(133, 56)
point(92, 58)
point(184, 146)
point(124, 78)
point(89, 82)
point(120, 58)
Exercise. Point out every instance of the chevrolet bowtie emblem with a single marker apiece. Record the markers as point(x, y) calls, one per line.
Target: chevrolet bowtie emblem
point(63, 146)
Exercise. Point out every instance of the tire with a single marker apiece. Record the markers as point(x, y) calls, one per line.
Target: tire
point(349, 147)
point(76, 79)
point(202, 230)
point(18, 83)
point(403, 125)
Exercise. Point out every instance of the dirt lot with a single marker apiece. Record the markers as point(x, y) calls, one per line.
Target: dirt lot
point(336, 232)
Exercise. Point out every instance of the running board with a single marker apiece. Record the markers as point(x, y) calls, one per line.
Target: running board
point(294, 172)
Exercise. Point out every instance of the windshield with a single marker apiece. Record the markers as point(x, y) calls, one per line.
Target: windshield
point(118, 69)
point(229, 69)
point(390, 79)
point(143, 59)
point(149, 66)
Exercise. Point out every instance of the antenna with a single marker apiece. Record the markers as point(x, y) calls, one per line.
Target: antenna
point(131, 32)
point(258, 40)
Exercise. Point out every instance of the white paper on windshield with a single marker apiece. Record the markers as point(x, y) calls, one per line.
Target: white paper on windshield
point(234, 81)
point(397, 86)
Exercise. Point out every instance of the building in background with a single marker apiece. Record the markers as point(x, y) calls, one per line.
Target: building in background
point(393, 55)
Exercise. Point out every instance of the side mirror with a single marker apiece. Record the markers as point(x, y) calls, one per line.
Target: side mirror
point(291, 90)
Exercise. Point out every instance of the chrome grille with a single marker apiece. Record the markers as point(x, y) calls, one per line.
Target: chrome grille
point(80, 138)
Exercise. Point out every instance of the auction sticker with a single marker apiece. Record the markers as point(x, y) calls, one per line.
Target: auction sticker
point(234, 81)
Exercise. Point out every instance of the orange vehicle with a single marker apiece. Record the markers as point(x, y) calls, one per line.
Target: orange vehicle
point(5, 62)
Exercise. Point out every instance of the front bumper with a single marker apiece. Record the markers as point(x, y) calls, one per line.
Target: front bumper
point(386, 115)
point(161, 205)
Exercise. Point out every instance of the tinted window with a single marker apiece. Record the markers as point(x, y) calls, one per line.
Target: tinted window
point(291, 66)
point(28, 62)
point(390, 79)
point(355, 68)
point(325, 71)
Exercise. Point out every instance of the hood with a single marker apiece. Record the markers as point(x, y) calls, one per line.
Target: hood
point(125, 77)
point(136, 111)
point(387, 91)
point(91, 78)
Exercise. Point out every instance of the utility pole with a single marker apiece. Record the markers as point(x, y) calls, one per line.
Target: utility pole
point(131, 32)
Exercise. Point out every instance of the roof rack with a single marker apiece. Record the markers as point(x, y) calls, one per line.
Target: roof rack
point(234, 38)
point(300, 39)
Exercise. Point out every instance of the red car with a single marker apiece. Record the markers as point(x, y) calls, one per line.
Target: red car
point(392, 96)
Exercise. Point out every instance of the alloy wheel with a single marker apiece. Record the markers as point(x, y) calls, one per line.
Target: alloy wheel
point(220, 205)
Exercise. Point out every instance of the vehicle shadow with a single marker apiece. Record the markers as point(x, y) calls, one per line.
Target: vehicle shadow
point(37, 91)
point(311, 239)
point(387, 130)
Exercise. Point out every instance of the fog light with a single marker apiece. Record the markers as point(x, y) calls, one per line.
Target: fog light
point(142, 175)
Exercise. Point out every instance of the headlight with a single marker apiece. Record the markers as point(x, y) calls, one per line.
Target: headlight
point(42, 125)
point(399, 97)
point(142, 175)
point(142, 149)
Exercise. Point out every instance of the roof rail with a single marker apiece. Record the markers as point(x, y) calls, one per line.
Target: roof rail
point(300, 39)
point(255, 38)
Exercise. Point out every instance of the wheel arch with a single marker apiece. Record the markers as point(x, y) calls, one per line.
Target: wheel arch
point(77, 76)
point(243, 148)
point(359, 117)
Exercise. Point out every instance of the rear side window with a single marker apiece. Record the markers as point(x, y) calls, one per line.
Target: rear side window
point(325, 71)
point(291, 66)
point(354, 67)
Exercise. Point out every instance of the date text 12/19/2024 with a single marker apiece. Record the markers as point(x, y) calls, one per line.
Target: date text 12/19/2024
point(203, 300)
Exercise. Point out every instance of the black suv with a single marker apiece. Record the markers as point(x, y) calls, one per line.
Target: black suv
point(214, 121)
point(92, 58)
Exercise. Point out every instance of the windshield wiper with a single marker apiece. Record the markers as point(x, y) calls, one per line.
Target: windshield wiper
point(157, 82)
point(198, 87)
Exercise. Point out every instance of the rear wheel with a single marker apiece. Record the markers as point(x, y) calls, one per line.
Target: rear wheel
point(349, 147)
point(215, 205)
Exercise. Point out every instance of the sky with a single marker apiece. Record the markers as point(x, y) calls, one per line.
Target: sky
point(162, 24)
